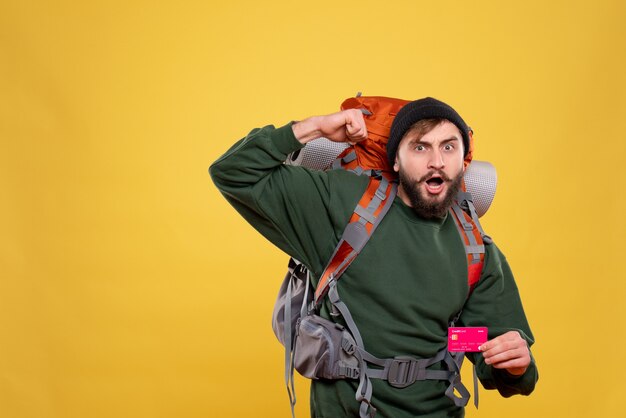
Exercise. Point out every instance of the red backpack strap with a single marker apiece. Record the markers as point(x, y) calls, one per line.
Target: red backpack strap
point(473, 236)
point(368, 213)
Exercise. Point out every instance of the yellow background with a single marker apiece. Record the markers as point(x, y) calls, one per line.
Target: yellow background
point(128, 286)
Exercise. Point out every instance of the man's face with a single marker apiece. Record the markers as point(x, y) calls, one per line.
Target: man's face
point(430, 169)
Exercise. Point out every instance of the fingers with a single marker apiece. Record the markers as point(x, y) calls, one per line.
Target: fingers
point(356, 130)
point(508, 351)
point(345, 126)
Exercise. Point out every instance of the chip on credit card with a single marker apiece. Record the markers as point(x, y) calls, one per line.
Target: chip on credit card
point(466, 338)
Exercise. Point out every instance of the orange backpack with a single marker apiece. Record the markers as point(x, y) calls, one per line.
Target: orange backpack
point(370, 157)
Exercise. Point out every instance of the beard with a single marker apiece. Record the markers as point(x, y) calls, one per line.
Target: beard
point(422, 205)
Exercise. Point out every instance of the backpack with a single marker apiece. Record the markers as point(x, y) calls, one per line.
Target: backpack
point(319, 348)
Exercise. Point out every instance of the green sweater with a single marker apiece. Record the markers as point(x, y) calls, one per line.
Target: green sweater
point(409, 281)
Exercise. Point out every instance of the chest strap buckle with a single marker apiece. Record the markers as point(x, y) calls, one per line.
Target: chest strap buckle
point(404, 371)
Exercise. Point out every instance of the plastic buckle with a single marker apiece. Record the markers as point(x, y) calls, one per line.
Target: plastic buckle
point(464, 197)
point(349, 372)
point(467, 226)
point(380, 194)
point(402, 372)
point(333, 296)
point(347, 346)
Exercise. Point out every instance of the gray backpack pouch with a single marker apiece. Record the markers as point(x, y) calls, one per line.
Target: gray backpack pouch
point(293, 293)
point(324, 350)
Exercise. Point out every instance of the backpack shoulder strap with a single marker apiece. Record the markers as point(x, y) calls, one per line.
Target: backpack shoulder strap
point(472, 234)
point(473, 242)
point(368, 213)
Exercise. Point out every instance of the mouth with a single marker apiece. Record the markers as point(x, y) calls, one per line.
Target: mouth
point(434, 184)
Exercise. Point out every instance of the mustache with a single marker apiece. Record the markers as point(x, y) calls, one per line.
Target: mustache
point(428, 175)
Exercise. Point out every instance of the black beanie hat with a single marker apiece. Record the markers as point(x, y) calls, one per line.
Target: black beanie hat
point(426, 108)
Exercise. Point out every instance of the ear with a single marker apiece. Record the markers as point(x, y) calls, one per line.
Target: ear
point(396, 166)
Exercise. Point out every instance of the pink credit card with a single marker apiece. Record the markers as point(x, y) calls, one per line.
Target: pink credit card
point(466, 338)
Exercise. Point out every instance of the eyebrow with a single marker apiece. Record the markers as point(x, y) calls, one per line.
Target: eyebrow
point(445, 141)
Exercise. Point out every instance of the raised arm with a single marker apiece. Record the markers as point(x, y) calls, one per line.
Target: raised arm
point(289, 205)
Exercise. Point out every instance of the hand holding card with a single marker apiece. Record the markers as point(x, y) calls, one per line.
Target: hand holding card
point(508, 351)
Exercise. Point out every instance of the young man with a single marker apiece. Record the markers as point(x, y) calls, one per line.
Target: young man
point(410, 280)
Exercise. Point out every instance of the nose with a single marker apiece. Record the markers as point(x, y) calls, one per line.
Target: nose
point(436, 160)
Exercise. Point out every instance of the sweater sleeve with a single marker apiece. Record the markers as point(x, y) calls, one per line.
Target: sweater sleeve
point(496, 304)
point(286, 204)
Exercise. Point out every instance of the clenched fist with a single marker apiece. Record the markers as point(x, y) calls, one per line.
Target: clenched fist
point(345, 126)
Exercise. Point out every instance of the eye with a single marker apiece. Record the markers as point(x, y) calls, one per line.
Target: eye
point(419, 147)
point(448, 147)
